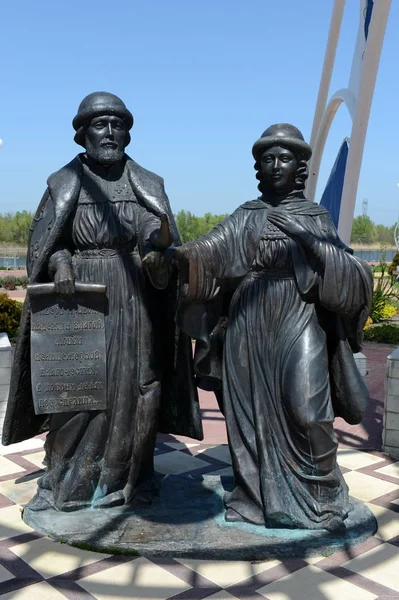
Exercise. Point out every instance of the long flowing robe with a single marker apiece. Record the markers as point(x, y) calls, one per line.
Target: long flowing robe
point(288, 366)
point(101, 224)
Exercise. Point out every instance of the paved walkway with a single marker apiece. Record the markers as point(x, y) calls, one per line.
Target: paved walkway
point(32, 566)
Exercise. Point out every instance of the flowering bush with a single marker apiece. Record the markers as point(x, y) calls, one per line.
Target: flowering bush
point(368, 323)
point(385, 287)
point(388, 311)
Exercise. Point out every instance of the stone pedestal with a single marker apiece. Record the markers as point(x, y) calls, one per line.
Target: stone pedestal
point(361, 363)
point(187, 520)
point(390, 432)
point(5, 375)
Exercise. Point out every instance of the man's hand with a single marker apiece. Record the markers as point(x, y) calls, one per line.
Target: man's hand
point(154, 260)
point(162, 237)
point(64, 280)
point(178, 257)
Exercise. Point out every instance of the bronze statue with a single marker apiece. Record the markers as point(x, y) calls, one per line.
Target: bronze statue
point(291, 327)
point(103, 218)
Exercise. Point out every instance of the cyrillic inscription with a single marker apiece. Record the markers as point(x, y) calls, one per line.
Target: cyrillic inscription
point(68, 358)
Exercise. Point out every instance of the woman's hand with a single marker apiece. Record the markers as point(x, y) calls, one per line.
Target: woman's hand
point(64, 280)
point(290, 225)
point(157, 260)
point(156, 267)
point(179, 257)
point(176, 255)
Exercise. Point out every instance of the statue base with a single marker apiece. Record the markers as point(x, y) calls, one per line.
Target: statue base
point(187, 520)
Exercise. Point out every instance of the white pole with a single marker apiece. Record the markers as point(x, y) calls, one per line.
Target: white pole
point(357, 60)
point(367, 83)
point(329, 59)
point(334, 103)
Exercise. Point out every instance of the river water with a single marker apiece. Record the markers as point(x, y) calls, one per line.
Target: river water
point(19, 262)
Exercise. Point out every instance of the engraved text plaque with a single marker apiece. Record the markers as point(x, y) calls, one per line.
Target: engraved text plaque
point(68, 358)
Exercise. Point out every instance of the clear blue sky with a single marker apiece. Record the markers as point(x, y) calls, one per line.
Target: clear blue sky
point(203, 80)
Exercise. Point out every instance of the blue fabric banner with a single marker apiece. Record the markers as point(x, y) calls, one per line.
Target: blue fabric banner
point(331, 198)
point(367, 17)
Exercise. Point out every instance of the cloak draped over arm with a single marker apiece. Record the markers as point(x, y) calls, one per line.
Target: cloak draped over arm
point(347, 284)
point(216, 263)
point(342, 282)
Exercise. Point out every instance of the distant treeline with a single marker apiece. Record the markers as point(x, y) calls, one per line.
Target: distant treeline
point(364, 231)
point(14, 228)
point(190, 227)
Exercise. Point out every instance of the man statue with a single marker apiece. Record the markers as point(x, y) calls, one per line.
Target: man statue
point(103, 218)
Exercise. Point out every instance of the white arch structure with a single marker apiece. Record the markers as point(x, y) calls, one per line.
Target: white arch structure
point(357, 97)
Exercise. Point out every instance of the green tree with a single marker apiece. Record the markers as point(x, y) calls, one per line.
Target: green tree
point(191, 227)
point(14, 228)
point(384, 234)
point(20, 226)
point(188, 226)
point(363, 230)
point(208, 221)
point(6, 233)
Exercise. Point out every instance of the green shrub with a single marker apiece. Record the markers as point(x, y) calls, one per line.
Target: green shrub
point(385, 289)
point(377, 305)
point(10, 315)
point(10, 283)
point(387, 333)
point(23, 282)
point(394, 264)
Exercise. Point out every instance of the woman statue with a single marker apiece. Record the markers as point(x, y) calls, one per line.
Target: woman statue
point(293, 323)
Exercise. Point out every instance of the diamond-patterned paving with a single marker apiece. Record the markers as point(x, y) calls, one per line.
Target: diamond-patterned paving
point(34, 567)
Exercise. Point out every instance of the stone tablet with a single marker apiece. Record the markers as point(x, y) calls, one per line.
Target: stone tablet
point(68, 357)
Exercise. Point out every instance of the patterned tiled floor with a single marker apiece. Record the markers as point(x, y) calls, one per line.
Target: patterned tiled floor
point(33, 567)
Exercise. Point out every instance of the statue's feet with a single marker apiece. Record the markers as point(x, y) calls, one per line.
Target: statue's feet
point(38, 503)
point(335, 525)
point(231, 516)
point(110, 500)
point(142, 499)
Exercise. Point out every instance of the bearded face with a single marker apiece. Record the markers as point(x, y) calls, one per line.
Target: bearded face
point(105, 139)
